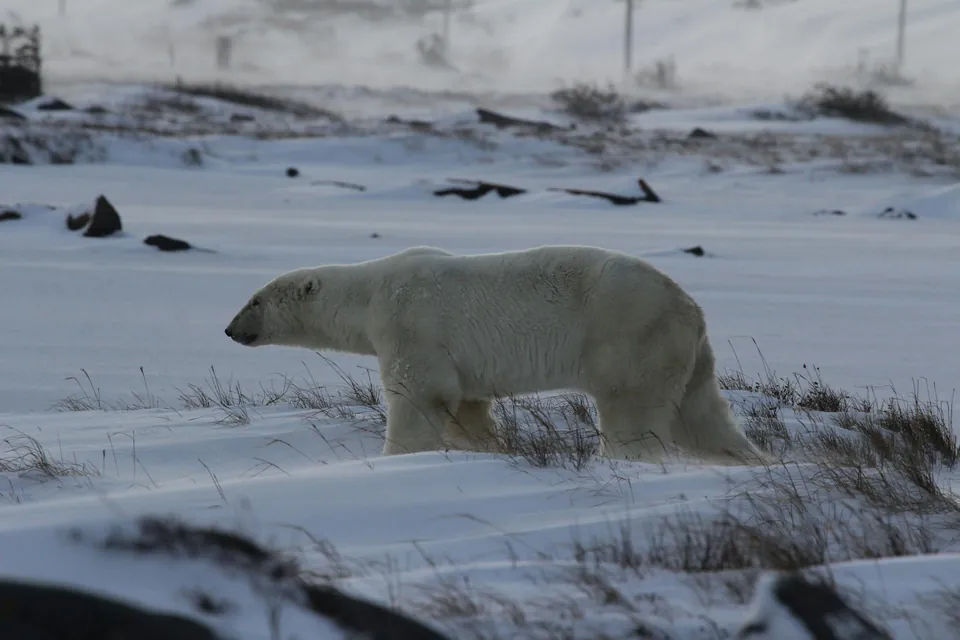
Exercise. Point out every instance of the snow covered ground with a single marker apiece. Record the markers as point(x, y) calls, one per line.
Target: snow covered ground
point(105, 343)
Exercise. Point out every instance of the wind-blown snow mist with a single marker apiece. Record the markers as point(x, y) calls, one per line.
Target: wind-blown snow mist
point(720, 48)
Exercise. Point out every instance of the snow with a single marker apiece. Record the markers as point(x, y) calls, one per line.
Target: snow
point(126, 330)
point(720, 49)
point(801, 285)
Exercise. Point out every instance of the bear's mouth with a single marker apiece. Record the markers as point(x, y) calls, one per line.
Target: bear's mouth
point(246, 339)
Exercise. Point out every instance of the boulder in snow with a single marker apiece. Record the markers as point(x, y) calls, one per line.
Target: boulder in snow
point(105, 220)
point(166, 243)
point(791, 607)
point(41, 611)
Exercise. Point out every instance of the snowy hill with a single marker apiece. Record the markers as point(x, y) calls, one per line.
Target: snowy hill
point(720, 49)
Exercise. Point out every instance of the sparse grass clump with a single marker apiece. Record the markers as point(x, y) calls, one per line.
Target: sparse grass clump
point(850, 104)
point(926, 425)
point(556, 432)
point(24, 454)
point(893, 455)
point(363, 395)
point(214, 393)
point(591, 103)
point(88, 397)
point(228, 396)
point(764, 426)
point(806, 391)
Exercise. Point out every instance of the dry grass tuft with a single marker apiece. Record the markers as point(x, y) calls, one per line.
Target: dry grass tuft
point(591, 103)
point(25, 455)
point(558, 431)
point(850, 104)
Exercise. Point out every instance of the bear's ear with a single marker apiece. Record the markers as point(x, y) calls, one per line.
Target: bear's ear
point(309, 287)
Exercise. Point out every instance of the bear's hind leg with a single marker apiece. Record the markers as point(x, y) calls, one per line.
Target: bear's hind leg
point(632, 428)
point(474, 427)
point(638, 390)
point(705, 426)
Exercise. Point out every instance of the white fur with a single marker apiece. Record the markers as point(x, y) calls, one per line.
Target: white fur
point(450, 332)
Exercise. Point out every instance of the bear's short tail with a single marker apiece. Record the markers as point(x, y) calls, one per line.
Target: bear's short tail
point(706, 425)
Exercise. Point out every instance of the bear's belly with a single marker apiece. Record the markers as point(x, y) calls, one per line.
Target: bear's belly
point(517, 371)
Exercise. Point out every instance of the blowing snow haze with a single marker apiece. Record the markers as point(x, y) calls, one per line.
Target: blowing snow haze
point(721, 48)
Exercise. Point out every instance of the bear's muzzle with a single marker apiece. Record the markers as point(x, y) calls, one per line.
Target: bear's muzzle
point(243, 338)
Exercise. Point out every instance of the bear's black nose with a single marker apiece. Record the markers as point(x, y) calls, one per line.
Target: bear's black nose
point(228, 332)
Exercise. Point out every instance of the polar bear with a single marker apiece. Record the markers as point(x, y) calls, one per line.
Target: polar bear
point(452, 332)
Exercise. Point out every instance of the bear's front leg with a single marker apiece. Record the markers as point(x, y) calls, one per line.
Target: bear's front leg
point(423, 396)
point(414, 423)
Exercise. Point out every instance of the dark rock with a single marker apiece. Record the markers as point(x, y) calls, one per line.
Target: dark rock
point(416, 125)
point(769, 114)
point(36, 611)
point(649, 194)
point(897, 214)
point(365, 619)
point(615, 198)
point(166, 243)
point(96, 110)
point(502, 121)
point(10, 214)
point(812, 604)
point(340, 183)
point(241, 117)
point(830, 212)
point(695, 251)
point(642, 106)
point(75, 223)
point(701, 133)
point(479, 190)
point(105, 220)
point(612, 197)
point(292, 172)
point(238, 554)
point(54, 104)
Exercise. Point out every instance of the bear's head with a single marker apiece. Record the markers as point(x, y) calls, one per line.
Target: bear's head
point(275, 314)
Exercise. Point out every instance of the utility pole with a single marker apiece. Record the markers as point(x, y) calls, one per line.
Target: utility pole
point(628, 40)
point(447, 11)
point(901, 33)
